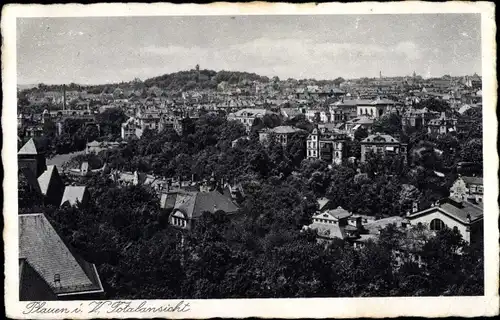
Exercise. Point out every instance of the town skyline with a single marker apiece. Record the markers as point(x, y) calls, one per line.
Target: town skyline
point(91, 51)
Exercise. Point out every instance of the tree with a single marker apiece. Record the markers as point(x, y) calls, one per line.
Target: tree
point(111, 120)
point(389, 124)
point(433, 104)
point(360, 133)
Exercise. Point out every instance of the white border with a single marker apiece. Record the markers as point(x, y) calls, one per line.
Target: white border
point(487, 305)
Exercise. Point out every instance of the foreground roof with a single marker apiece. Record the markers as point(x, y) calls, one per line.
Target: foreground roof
point(52, 258)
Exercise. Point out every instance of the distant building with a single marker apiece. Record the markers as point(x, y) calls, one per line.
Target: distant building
point(128, 128)
point(442, 125)
point(327, 146)
point(375, 108)
point(337, 223)
point(282, 134)
point(247, 116)
point(49, 268)
point(382, 143)
point(462, 216)
point(468, 189)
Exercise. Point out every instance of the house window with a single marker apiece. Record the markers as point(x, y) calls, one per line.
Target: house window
point(455, 229)
point(437, 225)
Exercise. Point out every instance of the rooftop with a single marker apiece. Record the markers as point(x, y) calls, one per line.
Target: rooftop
point(52, 258)
point(73, 194)
point(29, 148)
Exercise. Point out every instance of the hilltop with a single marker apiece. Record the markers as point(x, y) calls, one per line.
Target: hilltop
point(177, 81)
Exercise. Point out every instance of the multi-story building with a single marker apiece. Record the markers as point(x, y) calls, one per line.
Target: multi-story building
point(247, 116)
point(327, 145)
point(336, 223)
point(442, 125)
point(468, 189)
point(282, 134)
point(375, 108)
point(129, 128)
point(418, 118)
point(382, 143)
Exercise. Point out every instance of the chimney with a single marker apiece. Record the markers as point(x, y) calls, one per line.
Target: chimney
point(64, 97)
point(414, 207)
point(468, 218)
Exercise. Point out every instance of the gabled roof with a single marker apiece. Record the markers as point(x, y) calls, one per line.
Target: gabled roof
point(384, 138)
point(29, 148)
point(45, 178)
point(93, 144)
point(472, 180)
point(52, 258)
point(194, 203)
point(457, 210)
point(329, 231)
point(73, 194)
point(285, 129)
point(336, 214)
point(322, 202)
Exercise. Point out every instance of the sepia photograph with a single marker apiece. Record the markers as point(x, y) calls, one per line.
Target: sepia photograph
point(188, 157)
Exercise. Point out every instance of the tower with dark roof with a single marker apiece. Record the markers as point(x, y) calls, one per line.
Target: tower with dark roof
point(30, 157)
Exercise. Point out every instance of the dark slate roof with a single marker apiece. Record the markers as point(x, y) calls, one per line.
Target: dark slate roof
point(338, 213)
point(194, 203)
point(48, 254)
point(32, 287)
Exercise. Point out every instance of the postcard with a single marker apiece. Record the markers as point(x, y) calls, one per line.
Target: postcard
point(256, 159)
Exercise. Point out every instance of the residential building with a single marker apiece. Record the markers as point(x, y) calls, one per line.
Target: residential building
point(247, 116)
point(375, 108)
point(382, 143)
point(48, 262)
point(458, 215)
point(128, 128)
point(282, 134)
point(418, 118)
point(335, 223)
point(327, 145)
point(468, 189)
point(442, 125)
point(359, 122)
point(187, 206)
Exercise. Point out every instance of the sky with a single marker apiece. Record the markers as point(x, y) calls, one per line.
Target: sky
point(98, 50)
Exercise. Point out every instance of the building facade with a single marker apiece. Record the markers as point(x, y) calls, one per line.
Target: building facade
point(382, 143)
point(327, 146)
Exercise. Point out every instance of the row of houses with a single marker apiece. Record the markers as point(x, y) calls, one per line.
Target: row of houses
point(462, 212)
